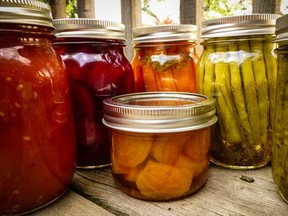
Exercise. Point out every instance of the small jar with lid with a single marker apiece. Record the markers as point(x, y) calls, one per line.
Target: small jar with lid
point(280, 138)
point(165, 58)
point(160, 143)
point(37, 142)
point(238, 68)
point(93, 52)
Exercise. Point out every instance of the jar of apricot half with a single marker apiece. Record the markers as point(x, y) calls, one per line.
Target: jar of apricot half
point(160, 143)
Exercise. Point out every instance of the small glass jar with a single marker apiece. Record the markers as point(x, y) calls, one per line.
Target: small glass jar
point(37, 142)
point(238, 68)
point(160, 143)
point(93, 52)
point(280, 141)
point(165, 58)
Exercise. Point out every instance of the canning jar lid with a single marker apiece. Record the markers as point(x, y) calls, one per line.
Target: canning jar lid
point(89, 28)
point(242, 25)
point(164, 33)
point(282, 28)
point(30, 12)
point(159, 112)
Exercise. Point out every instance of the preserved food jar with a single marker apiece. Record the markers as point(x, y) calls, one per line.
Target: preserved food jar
point(93, 52)
point(238, 68)
point(165, 58)
point(280, 138)
point(37, 142)
point(160, 143)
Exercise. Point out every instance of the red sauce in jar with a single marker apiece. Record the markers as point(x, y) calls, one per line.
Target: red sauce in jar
point(37, 142)
point(97, 69)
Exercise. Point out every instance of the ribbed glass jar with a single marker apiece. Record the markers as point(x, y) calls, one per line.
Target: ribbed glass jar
point(238, 68)
point(93, 52)
point(37, 142)
point(280, 141)
point(165, 58)
point(160, 143)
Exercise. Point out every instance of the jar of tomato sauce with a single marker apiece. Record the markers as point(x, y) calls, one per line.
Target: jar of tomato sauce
point(37, 142)
point(93, 52)
point(165, 58)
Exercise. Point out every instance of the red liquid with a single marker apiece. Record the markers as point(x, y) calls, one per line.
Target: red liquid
point(97, 70)
point(37, 142)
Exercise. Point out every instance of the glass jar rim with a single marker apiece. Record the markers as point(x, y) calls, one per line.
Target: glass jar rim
point(30, 12)
point(88, 28)
point(239, 25)
point(159, 112)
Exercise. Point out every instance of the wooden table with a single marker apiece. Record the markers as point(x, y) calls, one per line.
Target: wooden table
point(93, 192)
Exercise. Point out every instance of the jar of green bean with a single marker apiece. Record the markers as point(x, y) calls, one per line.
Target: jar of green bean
point(280, 138)
point(238, 68)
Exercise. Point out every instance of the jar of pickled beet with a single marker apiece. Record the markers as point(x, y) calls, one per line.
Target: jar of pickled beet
point(280, 138)
point(238, 68)
point(160, 143)
point(165, 58)
point(93, 52)
point(37, 142)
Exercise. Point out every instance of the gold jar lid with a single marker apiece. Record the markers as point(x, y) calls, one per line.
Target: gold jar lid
point(89, 28)
point(30, 12)
point(241, 25)
point(164, 33)
point(159, 112)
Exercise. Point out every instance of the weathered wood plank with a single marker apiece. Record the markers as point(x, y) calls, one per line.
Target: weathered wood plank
point(223, 194)
point(72, 204)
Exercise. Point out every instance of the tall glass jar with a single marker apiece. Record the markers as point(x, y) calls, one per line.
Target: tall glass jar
point(37, 142)
point(165, 58)
point(93, 52)
point(280, 141)
point(238, 68)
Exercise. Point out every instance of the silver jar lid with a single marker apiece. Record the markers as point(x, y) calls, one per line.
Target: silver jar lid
point(159, 112)
point(164, 33)
point(89, 28)
point(30, 12)
point(282, 28)
point(251, 24)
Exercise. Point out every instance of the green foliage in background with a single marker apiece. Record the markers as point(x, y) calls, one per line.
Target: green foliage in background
point(71, 7)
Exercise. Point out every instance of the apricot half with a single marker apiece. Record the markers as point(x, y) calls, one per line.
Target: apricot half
point(162, 181)
point(130, 150)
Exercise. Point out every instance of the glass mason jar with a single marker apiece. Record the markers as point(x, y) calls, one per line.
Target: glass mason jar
point(165, 58)
point(37, 142)
point(238, 68)
point(280, 141)
point(93, 52)
point(160, 143)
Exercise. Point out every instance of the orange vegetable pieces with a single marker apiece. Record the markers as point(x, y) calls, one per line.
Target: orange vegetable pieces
point(150, 81)
point(117, 168)
point(162, 181)
point(166, 149)
point(185, 76)
point(191, 166)
point(168, 83)
point(128, 150)
point(198, 145)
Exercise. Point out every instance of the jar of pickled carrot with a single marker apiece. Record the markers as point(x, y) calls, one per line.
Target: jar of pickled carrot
point(280, 138)
point(160, 143)
point(37, 142)
point(239, 69)
point(93, 52)
point(165, 58)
